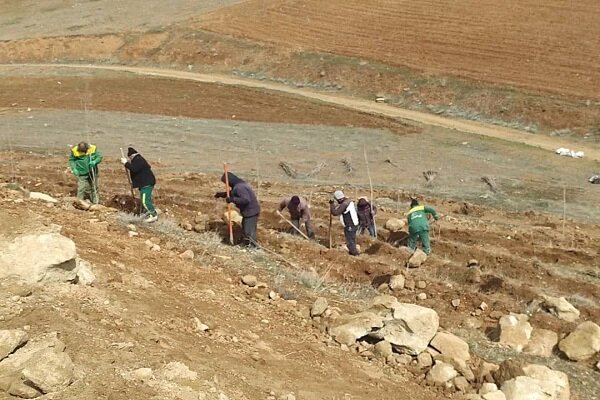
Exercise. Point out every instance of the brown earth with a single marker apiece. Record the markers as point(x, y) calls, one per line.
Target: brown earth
point(533, 43)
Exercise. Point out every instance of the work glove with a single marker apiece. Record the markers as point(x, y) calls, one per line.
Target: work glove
point(229, 200)
point(220, 195)
point(331, 201)
point(123, 160)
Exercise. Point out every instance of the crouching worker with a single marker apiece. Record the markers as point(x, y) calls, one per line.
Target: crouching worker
point(243, 196)
point(299, 213)
point(83, 161)
point(143, 179)
point(366, 217)
point(344, 208)
point(418, 227)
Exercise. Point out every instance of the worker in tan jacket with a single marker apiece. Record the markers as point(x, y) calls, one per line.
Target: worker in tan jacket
point(299, 213)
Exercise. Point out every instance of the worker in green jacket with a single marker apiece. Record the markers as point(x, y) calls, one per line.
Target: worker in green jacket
point(84, 160)
point(418, 227)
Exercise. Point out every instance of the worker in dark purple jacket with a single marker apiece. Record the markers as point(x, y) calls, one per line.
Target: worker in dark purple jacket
point(245, 200)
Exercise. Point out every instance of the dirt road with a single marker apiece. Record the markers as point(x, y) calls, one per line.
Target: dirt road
point(512, 135)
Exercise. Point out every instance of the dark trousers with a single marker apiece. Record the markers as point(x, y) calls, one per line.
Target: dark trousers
point(310, 232)
point(350, 233)
point(249, 225)
point(370, 229)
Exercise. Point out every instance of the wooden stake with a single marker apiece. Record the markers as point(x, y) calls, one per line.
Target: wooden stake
point(564, 210)
point(330, 225)
point(228, 190)
point(292, 225)
point(371, 186)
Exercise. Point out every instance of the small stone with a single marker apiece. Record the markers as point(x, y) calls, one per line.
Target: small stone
point(422, 296)
point(417, 259)
point(409, 284)
point(132, 227)
point(397, 282)
point(187, 255)
point(403, 359)
point(421, 284)
point(488, 387)
point(441, 373)
point(170, 246)
point(273, 295)
point(319, 307)
point(451, 345)
point(424, 360)
point(383, 349)
point(395, 224)
point(176, 371)
point(155, 248)
point(498, 395)
point(455, 303)
point(249, 280)
point(199, 326)
point(598, 366)
point(496, 314)
point(542, 343)
point(483, 306)
point(132, 234)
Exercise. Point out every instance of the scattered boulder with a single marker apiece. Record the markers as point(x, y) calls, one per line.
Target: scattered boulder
point(383, 348)
point(50, 257)
point(441, 373)
point(450, 345)
point(319, 307)
point(39, 367)
point(422, 296)
point(249, 280)
point(539, 382)
point(582, 343)
point(421, 284)
point(417, 259)
point(395, 224)
point(397, 283)
point(235, 217)
point(542, 343)
point(177, 371)
point(187, 255)
point(349, 328)
point(488, 387)
point(42, 197)
point(455, 303)
point(424, 360)
point(561, 308)
point(515, 331)
point(143, 374)
point(411, 328)
point(85, 275)
point(555, 383)
point(10, 340)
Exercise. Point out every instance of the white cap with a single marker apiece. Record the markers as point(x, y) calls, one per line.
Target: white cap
point(338, 195)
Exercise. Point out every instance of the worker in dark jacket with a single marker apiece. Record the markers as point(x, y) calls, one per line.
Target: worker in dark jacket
point(366, 216)
point(343, 207)
point(418, 227)
point(143, 179)
point(245, 200)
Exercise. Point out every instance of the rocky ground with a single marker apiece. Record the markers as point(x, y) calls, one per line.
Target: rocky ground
point(295, 320)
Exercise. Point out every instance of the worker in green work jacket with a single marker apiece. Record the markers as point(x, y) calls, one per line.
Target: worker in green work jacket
point(418, 227)
point(84, 160)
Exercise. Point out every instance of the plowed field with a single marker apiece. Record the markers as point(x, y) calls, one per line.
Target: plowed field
point(550, 45)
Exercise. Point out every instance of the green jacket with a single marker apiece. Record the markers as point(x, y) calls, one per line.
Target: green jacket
point(82, 163)
point(417, 218)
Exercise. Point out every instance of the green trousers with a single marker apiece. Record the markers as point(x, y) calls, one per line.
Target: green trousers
point(423, 236)
point(146, 197)
point(87, 188)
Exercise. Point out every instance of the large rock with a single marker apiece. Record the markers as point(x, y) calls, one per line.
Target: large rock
point(542, 343)
point(395, 224)
point(52, 371)
point(561, 308)
point(582, 343)
point(539, 383)
point(417, 259)
point(10, 340)
point(411, 328)
point(552, 382)
point(515, 331)
point(85, 274)
point(46, 257)
point(450, 345)
point(441, 373)
point(42, 197)
point(39, 367)
point(349, 328)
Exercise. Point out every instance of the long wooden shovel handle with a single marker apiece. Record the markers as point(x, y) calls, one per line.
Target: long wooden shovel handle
point(128, 176)
point(227, 190)
point(292, 225)
point(330, 225)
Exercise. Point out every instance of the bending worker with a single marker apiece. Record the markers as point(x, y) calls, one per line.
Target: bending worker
point(143, 179)
point(83, 161)
point(418, 226)
point(299, 213)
